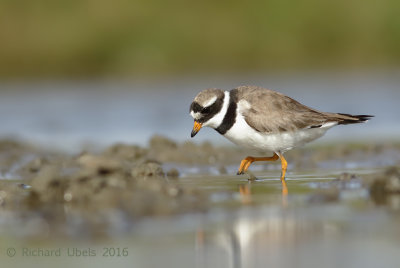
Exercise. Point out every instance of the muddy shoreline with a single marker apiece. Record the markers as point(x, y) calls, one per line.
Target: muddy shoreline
point(108, 192)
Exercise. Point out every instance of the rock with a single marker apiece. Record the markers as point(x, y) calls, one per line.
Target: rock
point(49, 184)
point(346, 177)
point(173, 173)
point(126, 152)
point(146, 170)
point(392, 176)
point(36, 164)
point(222, 170)
point(11, 194)
point(99, 164)
point(385, 185)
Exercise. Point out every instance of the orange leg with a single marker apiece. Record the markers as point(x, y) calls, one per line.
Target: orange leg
point(245, 164)
point(284, 167)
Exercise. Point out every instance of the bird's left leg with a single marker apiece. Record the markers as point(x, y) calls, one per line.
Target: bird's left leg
point(245, 164)
point(284, 167)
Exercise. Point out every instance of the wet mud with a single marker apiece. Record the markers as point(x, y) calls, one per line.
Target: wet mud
point(106, 193)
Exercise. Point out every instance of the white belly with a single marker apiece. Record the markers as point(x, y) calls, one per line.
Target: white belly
point(243, 135)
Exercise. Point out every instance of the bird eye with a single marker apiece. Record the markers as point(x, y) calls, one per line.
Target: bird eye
point(205, 110)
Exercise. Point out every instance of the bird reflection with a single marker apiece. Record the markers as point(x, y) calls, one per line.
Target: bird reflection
point(256, 235)
point(258, 238)
point(246, 194)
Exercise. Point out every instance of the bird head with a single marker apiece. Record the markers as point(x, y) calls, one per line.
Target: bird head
point(204, 108)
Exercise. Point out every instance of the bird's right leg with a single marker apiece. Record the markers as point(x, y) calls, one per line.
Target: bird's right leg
point(245, 164)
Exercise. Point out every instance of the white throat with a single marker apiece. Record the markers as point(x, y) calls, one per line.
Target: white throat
point(217, 119)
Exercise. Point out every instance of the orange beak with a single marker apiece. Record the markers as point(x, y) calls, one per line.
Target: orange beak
point(196, 128)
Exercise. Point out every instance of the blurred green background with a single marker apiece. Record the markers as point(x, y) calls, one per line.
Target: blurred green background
point(125, 38)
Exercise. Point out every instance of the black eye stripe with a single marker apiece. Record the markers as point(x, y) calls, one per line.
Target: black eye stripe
point(210, 111)
point(206, 109)
point(207, 112)
point(195, 107)
point(215, 107)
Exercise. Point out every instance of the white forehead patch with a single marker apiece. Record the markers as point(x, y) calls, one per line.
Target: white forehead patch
point(210, 101)
point(195, 116)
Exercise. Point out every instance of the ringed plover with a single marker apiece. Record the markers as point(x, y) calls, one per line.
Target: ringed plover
point(265, 120)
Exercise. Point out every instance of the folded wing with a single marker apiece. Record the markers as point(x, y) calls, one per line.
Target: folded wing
point(271, 112)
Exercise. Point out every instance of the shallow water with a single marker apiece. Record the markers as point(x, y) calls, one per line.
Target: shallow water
point(265, 230)
point(322, 222)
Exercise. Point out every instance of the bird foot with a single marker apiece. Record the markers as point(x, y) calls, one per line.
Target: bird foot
point(251, 175)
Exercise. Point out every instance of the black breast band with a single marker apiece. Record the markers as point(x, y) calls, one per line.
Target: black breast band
point(230, 116)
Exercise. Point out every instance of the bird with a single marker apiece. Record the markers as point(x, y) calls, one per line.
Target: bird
point(264, 120)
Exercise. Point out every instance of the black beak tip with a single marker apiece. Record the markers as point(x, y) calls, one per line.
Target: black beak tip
point(193, 134)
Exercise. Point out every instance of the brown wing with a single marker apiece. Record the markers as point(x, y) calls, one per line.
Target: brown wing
point(271, 111)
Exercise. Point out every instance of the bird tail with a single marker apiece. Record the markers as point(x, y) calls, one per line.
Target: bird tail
point(345, 119)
